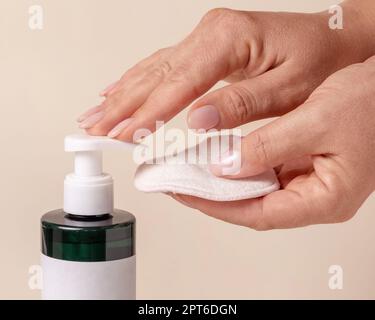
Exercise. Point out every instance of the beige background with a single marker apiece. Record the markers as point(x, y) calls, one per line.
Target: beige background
point(48, 77)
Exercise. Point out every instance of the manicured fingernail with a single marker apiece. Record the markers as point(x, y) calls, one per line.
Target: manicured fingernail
point(228, 158)
point(89, 112)
point(92, 120)
point(119, 128)
point(205, 117)
point(109, 88)
point(229, 164)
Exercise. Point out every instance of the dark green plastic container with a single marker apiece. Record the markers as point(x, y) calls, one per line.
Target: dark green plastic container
point(88, 239)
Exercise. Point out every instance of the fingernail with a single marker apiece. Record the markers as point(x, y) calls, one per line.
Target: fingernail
point(205, 117)
point(89, 112)
point(92, 120)
point(229, 164)
point(228, 158)
point(109, 88)
point(119, 128)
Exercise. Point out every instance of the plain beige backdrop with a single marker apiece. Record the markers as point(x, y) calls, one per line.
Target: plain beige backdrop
point(48, 77)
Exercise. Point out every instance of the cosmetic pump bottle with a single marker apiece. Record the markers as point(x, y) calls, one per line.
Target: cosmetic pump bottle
point(88, 247)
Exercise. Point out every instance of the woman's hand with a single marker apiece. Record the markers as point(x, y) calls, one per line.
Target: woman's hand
point(275, 61)
point(325, 154)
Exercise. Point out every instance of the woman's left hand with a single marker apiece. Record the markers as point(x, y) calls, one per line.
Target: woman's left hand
point(325, 154)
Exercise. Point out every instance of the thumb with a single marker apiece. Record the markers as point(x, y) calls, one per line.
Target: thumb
point(264, 96)
point(292, 136)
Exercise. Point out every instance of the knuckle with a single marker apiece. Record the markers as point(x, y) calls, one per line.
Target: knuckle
point(241, 104)
point(226, 18)
point(161, 70)
point(179, 74)
point(165, 66)
point(229, 27)
point(112, 103)
point(182, 75)
point(259, 147)
point(114, 108)
point(217, 13)
point(227, 21)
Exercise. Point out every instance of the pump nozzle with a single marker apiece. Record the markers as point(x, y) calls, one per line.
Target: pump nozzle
point(89, 191)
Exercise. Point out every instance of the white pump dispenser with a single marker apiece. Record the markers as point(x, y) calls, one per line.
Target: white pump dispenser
point(88, 191)
point(88, 247)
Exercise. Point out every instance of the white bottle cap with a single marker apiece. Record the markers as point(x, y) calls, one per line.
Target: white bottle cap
point(88, 191)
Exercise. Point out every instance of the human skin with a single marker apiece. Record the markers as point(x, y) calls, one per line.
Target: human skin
point(324, 151)
point(274, 62)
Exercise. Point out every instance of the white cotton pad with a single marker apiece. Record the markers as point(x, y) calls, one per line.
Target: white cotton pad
point(197, 180)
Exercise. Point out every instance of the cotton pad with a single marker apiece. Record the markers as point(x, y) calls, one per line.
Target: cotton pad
point(197, 180)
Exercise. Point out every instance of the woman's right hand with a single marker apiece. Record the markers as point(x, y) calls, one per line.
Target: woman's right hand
point(274, 61)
